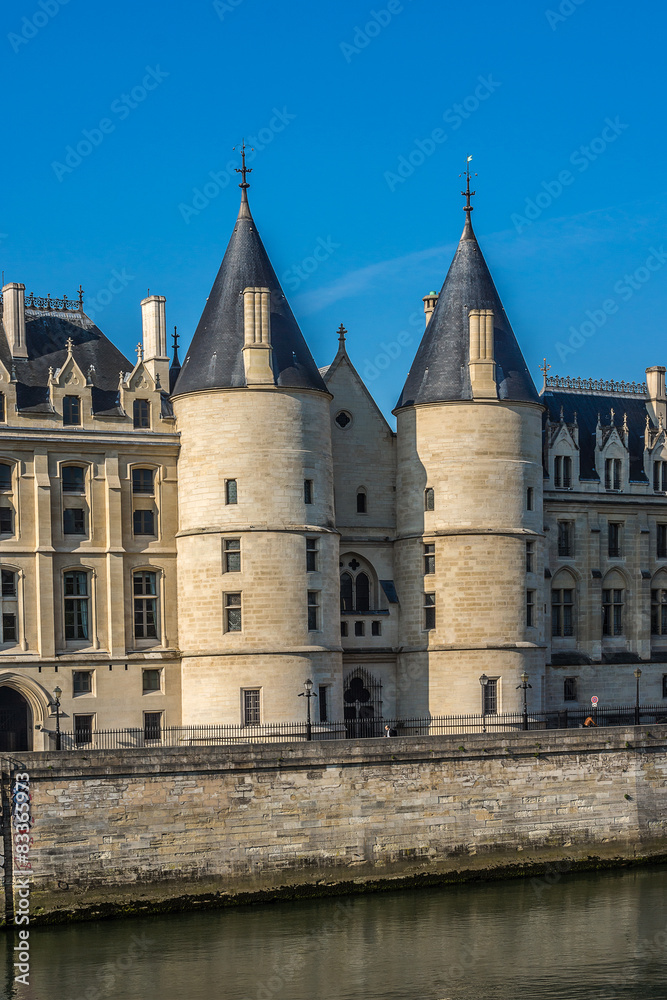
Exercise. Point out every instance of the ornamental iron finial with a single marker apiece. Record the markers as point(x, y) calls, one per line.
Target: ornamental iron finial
point(341, 333)
point(467, 194)
point(243, 170)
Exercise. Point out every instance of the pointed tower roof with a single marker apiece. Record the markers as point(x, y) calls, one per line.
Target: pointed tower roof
point(439, 371)
point(215, 357)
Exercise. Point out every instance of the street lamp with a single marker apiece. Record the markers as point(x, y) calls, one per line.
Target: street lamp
point(56, 694)
point(484, 680)
point(524, 685)
point(638, 674)
point(308, 693)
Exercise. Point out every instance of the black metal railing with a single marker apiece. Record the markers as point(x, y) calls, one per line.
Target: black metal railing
point(49, 304)
point(370, 728)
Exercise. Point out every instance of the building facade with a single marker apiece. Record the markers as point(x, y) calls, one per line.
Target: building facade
point(188, 544)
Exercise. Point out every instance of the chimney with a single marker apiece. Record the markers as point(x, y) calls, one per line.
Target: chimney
point(13, 318)
point(482, 366)
point(257, 350)
point(429, 301)
point(656, 403)
point(154, 337)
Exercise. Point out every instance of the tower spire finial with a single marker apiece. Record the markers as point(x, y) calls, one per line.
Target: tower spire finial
point(244, 171)
point(467, 194)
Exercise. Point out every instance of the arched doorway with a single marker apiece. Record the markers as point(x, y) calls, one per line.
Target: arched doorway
point(363, 705)
point(15, 720)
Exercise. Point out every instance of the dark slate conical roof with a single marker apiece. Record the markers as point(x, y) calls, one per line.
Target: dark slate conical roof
point(215, 357)
point(440, 369)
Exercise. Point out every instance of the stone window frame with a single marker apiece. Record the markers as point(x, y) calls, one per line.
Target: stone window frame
point(613, 625)
point(309, 491)
point(92, 692)
point(491, 696)
point(230, 604)
point(149, 727)
point(615, 540)
point(10, 494)
point(3, 408)
point(252, 707)
point(148, 642)
point(70, 420)
point(152, 690)
point(10, 604)
point(79, 730)
point(362, 500)
point(530, 555)
point(429, 605)
point(613, 475)
point(142, 499)
point(231, 551)
point(142, 415)
point(563, 470)
point(314, 611)
point(429, 498)
point(530, 498)
point(428, 555)
point(231, 492)
point(565, 538)
point(79, 642)
point(531, 608)
point(76, 499)
point(570, 689)
point(661, 541)
point(312, 554)
point(559, 619)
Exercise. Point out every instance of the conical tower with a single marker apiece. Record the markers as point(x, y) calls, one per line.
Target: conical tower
point(469, 507)
point(257, 548)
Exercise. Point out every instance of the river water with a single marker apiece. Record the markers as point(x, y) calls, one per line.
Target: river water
point(577, 937)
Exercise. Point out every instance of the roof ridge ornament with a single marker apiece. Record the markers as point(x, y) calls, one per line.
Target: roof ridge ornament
point(244, 212)
point(468, 194)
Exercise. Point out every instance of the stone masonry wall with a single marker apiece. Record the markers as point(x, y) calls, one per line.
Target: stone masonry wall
point(115, 830)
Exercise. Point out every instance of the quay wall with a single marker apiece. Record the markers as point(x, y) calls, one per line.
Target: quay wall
point(120, 832)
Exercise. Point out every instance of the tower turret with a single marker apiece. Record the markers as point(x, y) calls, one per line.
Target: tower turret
point(469, 491)
point(257, 547)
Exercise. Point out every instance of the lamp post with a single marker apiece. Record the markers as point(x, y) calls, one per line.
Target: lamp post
point(484, 680)
point(638, 674)
point(56, 694)
point(308, 693)
point(524, 685)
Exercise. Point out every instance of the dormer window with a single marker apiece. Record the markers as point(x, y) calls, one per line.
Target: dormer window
point(660, 477)
point(142, 413)
point(71, 411)
point(612, 474)
point(562, 472)
point(3, 416)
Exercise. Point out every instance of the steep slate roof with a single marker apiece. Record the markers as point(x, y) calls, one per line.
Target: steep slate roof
point(215, 357)
point(587, 407)
point(47, 334)
point(440, 369)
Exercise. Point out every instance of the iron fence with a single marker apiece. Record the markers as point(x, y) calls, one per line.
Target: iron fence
point(291, 732)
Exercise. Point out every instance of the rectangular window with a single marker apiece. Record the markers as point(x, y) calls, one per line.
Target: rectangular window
point(323, 698)
point(83, 729)
point(2, 407)
point(71, 411)
point(360, 628)
point(530, 498)
point(612, 612)
point(664, 685)
point(614, 539)
point(152, 726)
point(530, 607)
point(612, 474)
point(308, 491)
point(6, 521)
point(145, 605)
point(141, 413)
point(151, 680)
point(232, 555)
point(659, 612)
point(143, 522)
point(491, 696)
point(76, 605)
point(231, 494)
point(562, 612)
point(8, 583)
point(313, 611)
point(662, 541)
point(82, 682)
point(570, 689)
point(232, 612)
point(429, 558)
point(74, 521)
point(376, 628)
point(9, 627)
point(5, 477)
point(343, 630)
point(143, 481)
point(565, 538)
point(361, 502)
point(72, 479)
point(429, 498)
point(562, 472)
point(530, 557)
point(660, 477)
point(251, 707)
point(311, 555)
point(429, 612)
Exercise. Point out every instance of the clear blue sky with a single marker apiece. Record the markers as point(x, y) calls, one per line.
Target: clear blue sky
point(176, 85)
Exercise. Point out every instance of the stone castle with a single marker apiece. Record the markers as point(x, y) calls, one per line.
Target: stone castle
point(187, 545)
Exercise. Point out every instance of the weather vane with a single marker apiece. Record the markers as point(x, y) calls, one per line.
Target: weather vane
point(544, 368)
point(467, 194)
point(243, 169)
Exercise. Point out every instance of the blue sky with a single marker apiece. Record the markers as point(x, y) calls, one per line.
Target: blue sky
point(559, 103)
